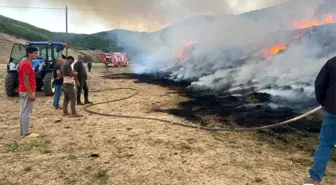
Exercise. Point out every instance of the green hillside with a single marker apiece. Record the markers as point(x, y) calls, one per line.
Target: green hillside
point(76, 41)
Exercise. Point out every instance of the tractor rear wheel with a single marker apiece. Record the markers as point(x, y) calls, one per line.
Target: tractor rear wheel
point(48, 84)
point(11, 85)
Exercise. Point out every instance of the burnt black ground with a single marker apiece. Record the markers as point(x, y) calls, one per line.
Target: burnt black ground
point(226, 109)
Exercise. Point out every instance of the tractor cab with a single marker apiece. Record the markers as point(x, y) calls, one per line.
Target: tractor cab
point(48, 53)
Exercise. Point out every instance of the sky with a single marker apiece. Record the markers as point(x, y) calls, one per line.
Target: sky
point(90, 16)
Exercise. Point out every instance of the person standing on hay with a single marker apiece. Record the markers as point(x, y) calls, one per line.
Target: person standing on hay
point(325, 92)
point(89, 65)
point(82, 77)
point(69, 88)
point(58, 82)
point(27, 89)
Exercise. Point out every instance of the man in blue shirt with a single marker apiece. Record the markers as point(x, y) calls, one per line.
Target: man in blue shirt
point(58, 82)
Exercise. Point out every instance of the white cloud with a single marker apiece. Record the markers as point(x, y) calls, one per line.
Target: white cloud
point(141, 15)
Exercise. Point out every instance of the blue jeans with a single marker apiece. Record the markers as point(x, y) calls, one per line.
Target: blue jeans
point(57, 96)
point(325, 147)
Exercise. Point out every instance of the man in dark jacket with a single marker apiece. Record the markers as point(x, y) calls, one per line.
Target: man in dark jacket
point(89, 64)
point(325, 92)
point(82, 77)
point(68, 88)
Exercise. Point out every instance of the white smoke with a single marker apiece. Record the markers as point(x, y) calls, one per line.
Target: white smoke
point(220, 61)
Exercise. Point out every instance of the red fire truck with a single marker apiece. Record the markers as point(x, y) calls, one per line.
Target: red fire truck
point(114, 59)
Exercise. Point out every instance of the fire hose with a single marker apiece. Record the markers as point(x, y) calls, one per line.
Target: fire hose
point(279, 124)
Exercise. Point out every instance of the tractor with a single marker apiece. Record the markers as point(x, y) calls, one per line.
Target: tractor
point(43, 66)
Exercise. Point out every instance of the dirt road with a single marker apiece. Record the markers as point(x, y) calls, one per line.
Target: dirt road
point(140, 152)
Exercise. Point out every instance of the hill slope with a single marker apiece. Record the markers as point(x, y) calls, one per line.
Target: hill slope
point(78, 41)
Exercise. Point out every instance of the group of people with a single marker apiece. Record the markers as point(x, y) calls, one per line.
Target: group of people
point(68, 76)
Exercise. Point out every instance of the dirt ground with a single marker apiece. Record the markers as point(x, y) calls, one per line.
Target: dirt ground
point(138, 152)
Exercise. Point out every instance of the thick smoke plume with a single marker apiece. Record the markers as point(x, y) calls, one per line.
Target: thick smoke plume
point(229, 55)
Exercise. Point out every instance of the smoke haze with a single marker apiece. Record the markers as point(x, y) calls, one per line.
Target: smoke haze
point(229, 55)
point(143, 15)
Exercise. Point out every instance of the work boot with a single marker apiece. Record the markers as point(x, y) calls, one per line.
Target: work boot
point(88, 102)
point(80, 103)
point(75, 115)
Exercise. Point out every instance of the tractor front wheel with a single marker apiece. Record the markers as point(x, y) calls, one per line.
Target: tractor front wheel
point(48, 84)
point(11, 84)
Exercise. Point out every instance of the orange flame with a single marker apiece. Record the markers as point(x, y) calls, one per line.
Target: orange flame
point(181, 53)
point(299, 25)
point(330, 19)
point(274, 50)
point(302, 25)
point(187, 45)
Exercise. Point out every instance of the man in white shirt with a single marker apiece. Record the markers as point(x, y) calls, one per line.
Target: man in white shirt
point(73, 64)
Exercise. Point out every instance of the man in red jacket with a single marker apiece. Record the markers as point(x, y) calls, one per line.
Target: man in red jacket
point(27, 88)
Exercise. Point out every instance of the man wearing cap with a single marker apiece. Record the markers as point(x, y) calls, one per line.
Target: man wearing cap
point(82, 77)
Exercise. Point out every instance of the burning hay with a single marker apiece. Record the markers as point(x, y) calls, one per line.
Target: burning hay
point(282, 64)
point(309, 24)
point(274, 53)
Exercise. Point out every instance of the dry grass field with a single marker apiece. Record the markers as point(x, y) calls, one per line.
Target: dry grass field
point(141, 152)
